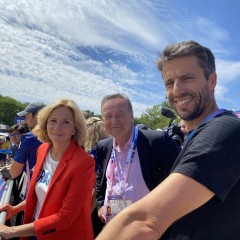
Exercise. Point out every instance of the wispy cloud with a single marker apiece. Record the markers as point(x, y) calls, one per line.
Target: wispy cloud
point(87, 49)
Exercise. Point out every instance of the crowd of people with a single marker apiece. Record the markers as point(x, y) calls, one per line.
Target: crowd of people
point(80, 177)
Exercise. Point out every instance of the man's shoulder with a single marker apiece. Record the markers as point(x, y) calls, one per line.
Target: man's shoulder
point(105, 142)
point(29, 138)
point(27, 135)
point(227, 120)
point(149, 134)
point(221, 129)
point(29, 141)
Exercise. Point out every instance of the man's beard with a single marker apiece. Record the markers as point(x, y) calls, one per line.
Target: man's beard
point(203, 100)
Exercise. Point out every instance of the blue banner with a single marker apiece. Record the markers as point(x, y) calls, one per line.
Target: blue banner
point(2, 186)
point(5, 151)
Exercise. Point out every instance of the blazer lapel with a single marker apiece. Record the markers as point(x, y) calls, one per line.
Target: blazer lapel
point(108, 155)
point(142, 147)
point(40, 160)
point(62, 164)
point(145, 158)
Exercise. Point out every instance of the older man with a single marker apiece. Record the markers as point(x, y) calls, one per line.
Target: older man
point(133, 162)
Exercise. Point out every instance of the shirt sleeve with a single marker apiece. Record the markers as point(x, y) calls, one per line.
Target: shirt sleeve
point(22, 152)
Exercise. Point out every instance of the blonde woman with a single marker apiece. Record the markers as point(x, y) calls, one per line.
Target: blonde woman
point(95, 132)
point(59, 197)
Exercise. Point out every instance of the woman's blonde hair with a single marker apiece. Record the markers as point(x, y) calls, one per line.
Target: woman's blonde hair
point(40, 129)
point(95, 132)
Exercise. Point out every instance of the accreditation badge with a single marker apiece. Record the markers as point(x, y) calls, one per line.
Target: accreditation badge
point(24, 183)
point(115, 204)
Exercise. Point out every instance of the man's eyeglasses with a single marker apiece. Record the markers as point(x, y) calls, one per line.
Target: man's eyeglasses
point(14, 134)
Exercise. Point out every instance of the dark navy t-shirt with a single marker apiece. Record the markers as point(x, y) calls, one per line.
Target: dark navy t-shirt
point(212, 158)
point(27, 150)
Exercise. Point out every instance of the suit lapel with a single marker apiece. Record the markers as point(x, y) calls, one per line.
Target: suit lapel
point(142, 147)
point(145, 158)
point(108, 155)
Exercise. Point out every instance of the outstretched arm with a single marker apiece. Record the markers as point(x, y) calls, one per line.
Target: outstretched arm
point(12, 210)
point(17, 231)
point(151, 216)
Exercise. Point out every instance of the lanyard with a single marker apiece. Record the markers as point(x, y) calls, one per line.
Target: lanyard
point(208, 118)
point(123, 177)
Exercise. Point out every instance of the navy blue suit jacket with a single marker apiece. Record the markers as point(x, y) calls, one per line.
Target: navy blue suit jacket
point(157, 153)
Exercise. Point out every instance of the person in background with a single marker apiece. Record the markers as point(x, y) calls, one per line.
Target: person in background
point(182, 126)
point(15, 133)
point(96, 131)
point(200, 198)
point(30, 113)
point(142, 126)
point(183, 129)
point(86, 114)
point(59, 198)
point(25, 158)
point(3, 146)
point(132, 162)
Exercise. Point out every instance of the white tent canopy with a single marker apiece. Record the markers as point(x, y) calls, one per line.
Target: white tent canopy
point(3, 128)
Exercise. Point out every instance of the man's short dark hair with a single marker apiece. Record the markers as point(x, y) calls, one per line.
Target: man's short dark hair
point(189, 48)
point(117, 95)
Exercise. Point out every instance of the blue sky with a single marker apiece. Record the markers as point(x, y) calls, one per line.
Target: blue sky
point(86, 49)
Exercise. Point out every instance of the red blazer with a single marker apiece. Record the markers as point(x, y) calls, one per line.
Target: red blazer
point(65, 213)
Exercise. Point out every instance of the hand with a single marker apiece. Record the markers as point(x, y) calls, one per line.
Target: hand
point(9, 209)
point(5, 232)
point(8, 167)
point(101, 214)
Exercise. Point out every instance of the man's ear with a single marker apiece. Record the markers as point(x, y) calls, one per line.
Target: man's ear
point(212, 81)
point(132, 116)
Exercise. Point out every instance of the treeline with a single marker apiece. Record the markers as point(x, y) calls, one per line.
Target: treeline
point(9, 107)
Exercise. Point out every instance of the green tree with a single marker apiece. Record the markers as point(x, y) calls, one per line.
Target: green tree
point(153, 118)
point(8, 109)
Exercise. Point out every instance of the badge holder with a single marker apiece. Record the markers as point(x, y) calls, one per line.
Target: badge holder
point(115, 205)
